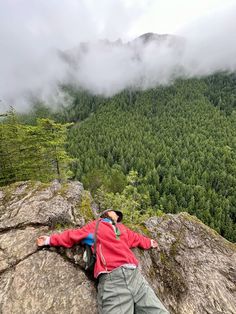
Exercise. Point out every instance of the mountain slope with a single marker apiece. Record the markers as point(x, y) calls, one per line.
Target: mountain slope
point(180, 142)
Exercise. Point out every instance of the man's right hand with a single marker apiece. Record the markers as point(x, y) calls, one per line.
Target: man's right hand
point(43, 240)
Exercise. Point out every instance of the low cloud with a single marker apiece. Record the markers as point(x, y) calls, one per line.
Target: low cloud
point(39, 52)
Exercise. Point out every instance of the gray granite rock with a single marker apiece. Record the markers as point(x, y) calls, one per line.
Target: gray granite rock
point(45, 283)
point(28, 203)
point(192, 272)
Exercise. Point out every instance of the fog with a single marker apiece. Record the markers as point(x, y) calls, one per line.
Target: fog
point(44, 43)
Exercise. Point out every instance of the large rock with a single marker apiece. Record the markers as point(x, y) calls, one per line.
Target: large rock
point(27, 203)
point(193, 272)
point(195, 268)
point(45, 283)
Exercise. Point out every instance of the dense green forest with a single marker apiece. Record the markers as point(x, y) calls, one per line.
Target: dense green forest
point(32, 152)
point(180, 139)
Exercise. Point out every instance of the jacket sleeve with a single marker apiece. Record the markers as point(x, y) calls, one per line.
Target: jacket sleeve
point(137, 240)
point(69, 237)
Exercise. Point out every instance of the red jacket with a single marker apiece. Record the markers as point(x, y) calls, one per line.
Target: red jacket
point(112, 252)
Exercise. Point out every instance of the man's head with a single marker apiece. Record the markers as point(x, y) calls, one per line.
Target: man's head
point(115, 215)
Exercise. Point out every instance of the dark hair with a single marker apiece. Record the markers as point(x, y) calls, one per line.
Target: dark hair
point(104, 215)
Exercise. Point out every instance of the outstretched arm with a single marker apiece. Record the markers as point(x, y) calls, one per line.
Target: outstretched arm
point(138, 240)
point(67, 238)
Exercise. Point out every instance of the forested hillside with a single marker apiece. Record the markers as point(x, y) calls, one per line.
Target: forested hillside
point(181, 140)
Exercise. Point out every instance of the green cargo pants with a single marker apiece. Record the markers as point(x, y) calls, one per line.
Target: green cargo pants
point(125, 291)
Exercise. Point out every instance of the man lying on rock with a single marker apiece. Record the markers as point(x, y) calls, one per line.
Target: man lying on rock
point(121, 287)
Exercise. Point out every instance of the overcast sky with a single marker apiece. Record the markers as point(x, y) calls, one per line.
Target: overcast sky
point(32, 30)
point(172, 16)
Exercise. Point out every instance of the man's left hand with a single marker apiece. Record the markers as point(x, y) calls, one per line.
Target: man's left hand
point(154, 244)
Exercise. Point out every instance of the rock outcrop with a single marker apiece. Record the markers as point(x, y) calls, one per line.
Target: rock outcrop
point(194, 270)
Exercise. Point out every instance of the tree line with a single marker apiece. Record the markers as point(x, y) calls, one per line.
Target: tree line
point(32, 152)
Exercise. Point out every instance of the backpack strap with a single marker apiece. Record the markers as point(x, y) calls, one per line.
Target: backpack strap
point(95, 237)
point(91, 256)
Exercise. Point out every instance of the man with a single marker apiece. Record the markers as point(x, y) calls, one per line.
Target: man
point(121, 288)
